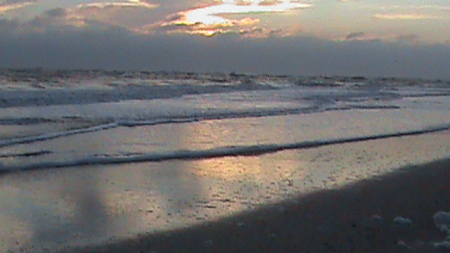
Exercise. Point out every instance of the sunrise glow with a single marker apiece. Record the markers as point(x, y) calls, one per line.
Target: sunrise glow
point(210, 15)
point(211, 20)
point(339, 20)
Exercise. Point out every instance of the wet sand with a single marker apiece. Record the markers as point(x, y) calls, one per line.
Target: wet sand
point(355, 218)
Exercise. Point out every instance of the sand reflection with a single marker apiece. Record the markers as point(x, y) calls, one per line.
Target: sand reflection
point(67, 207)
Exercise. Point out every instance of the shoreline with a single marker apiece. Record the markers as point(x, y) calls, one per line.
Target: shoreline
point(354, 218)
point(220, 152)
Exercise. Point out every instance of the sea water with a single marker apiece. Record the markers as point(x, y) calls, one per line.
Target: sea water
point(92, 156)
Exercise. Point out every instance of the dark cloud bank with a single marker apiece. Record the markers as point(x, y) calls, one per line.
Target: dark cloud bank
point(111, 48)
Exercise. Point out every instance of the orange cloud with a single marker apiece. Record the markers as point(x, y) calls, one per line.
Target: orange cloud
point(209, 30)
point(14, 6)
point(209, 20)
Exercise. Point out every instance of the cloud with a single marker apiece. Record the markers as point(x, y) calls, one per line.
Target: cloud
point(97, 14)
point(364, 37)
point(12, 2)
point(418, 7)
point(355, 36)
point(408, 38)
point(117, 48)
point(10, 5)
point(263, 33)
point(402, 16)
point(211, 15)
point(99, 37)
point(128, 14)
point(209, 20)
point(57, 12)
point(207, 29)
point(121, 4)
point(414, 12)
point(57, 20)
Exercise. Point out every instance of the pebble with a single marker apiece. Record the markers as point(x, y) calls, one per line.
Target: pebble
point(404, 245)
point(403, 221)
point(442, 245)
point(377, 217)
point(442, 221)
point(208, 242)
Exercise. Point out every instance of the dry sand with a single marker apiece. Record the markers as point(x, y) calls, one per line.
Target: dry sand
point(356, 218)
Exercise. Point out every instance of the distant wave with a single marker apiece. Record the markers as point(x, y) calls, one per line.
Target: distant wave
point(250, 150)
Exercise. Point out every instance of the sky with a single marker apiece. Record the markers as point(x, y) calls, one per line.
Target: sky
point(395, 38)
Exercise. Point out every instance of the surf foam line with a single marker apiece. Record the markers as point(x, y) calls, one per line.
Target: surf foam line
point(50, 136)
point(44, 137)
point(219, 116)
point(252, 150)
point(27, 154)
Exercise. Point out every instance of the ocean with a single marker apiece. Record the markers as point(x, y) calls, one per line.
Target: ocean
point(88, 157)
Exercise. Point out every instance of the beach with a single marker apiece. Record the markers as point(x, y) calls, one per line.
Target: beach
point(252, 126)
point(336, 198)
point(356, 218)
point(172, 162)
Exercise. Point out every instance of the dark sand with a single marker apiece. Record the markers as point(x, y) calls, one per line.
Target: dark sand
point(325, 221)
